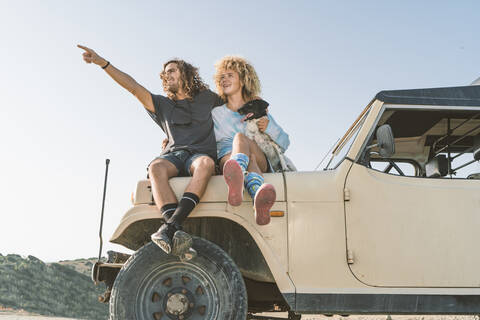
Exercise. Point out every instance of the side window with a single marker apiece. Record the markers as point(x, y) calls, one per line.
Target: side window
point(431, 144)
point(396, 167)
point(457, 165)
point(470, 171)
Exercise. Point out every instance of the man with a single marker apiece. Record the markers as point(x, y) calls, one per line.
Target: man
point(185, 116)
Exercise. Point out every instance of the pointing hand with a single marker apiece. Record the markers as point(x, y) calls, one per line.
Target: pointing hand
point(90, 56)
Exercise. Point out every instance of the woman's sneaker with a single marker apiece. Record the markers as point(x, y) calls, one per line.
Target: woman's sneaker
point(233, 175)
point(263, 202)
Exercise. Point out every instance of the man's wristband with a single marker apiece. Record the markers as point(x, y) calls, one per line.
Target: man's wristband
point(105, 66)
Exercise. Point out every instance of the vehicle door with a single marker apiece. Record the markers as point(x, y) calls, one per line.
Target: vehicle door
point(407, 227)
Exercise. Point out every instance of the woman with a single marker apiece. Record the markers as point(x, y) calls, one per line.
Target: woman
point(243, 162)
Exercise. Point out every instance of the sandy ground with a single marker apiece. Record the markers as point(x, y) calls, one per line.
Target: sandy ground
point(378, 317)
point(26, 316)
point(23, 315)
point(5, 316)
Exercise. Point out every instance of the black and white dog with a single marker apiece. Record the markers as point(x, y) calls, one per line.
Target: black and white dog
point(254, 110)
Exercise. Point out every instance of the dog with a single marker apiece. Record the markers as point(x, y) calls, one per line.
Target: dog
point(252, 111)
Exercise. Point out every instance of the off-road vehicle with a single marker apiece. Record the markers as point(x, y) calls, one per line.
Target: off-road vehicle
point(388, 227)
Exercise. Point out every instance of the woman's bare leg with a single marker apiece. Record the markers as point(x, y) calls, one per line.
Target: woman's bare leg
point(263, 193)
point(237, 163)
point(223, 160)
point(242, 144)
point(258, 162)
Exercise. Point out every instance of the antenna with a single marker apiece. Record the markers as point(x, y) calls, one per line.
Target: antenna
point(107, 162)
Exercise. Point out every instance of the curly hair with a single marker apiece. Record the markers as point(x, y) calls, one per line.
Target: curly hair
point(246, 72)
point(190, 80)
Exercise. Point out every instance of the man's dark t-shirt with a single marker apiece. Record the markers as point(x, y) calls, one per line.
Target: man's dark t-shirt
point(188, 123)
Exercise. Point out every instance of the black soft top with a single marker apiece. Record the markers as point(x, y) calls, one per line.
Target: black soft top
point(449, 96)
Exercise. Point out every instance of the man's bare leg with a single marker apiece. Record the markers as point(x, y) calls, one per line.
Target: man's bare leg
point(160, 171)
point(202, 169)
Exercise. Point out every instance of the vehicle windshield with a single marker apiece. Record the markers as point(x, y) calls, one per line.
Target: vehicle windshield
point(343, 146)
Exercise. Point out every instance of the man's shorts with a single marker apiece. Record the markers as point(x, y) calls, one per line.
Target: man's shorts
point(182, 159)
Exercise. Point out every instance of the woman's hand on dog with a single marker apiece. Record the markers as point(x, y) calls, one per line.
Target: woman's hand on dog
point(262, 124)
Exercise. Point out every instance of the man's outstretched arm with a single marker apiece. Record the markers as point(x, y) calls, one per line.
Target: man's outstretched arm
point(123, 79)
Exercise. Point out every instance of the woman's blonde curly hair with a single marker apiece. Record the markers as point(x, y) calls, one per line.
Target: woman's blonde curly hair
point(246, 72)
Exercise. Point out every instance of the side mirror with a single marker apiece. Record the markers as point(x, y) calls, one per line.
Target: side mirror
point(385, 141)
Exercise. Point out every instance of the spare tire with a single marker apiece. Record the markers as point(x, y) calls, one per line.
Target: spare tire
point(154, 285)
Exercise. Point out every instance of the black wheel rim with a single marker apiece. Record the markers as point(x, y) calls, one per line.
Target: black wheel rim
point(177, 290)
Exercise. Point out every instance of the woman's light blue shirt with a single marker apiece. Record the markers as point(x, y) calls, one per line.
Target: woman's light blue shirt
point(227, 123)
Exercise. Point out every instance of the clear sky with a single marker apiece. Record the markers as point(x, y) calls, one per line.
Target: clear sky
point(320, 63)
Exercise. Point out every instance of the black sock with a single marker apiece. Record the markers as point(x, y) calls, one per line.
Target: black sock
point(185, 206)
point(168, 210)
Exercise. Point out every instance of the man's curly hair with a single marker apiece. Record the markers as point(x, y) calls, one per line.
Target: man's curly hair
point(246, 72)
point(190, 80)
